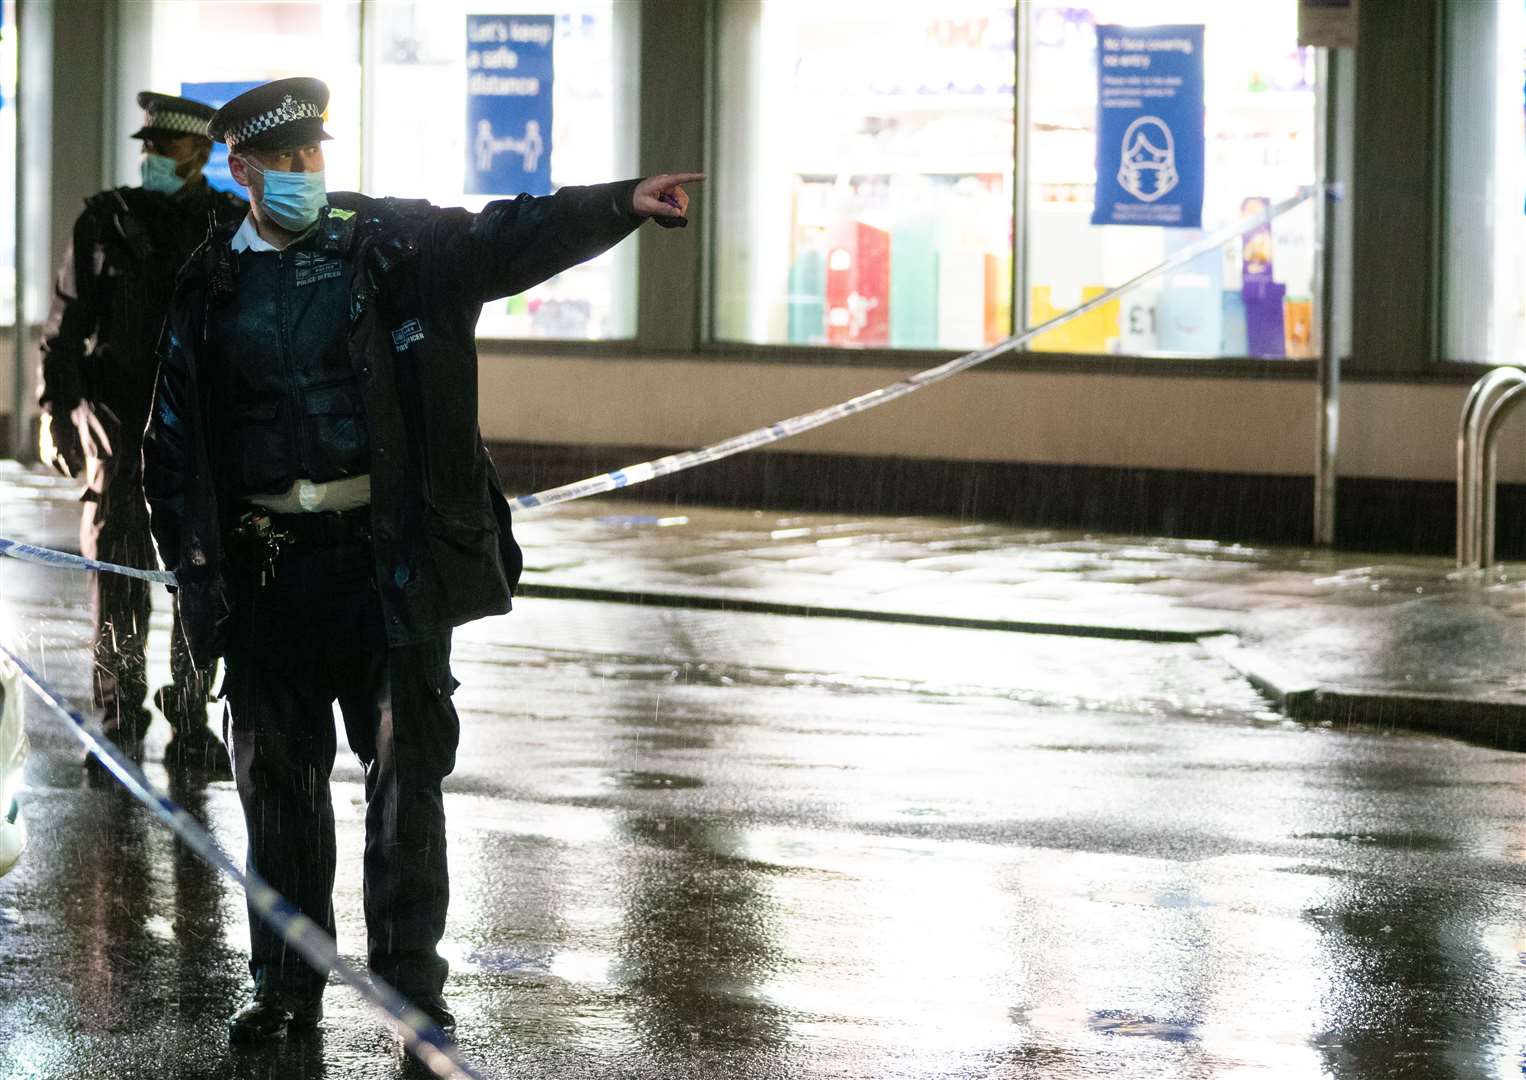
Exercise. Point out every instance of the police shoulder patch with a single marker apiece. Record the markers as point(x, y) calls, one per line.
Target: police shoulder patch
point(407, 334)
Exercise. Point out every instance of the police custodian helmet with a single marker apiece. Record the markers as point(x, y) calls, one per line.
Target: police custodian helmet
point(276, 115)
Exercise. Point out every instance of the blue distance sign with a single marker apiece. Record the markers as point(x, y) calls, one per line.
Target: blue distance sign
point(1149, 126)
point(508, 104)
point(218, 94)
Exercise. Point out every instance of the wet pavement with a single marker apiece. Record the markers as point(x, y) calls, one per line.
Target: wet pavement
point(688, 841)
point(1332, 637)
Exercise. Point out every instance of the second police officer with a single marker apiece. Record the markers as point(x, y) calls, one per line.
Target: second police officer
point(97, 379)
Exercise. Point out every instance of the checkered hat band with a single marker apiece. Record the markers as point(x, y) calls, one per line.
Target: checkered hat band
point(176, 121)
point(290, 109)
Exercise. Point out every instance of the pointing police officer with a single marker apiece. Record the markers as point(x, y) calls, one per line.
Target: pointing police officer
point(98, 363)
point(318, 483)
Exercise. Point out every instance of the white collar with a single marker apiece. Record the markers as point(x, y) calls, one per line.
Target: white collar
point(248, 238)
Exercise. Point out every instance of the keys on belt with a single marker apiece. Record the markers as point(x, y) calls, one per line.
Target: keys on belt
point(256, 541)
point(259, 536)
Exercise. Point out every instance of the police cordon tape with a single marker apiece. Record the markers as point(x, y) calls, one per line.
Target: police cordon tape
point(784, 429)
point(795, 425)
point(66, 561)
point(427, 1043)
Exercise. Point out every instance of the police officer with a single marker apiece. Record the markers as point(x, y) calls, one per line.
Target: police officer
point(97, 379)
point(318, 483)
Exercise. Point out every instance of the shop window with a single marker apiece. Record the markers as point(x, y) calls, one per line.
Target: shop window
point(452, 101)
point(863, 195)
point(482, 100)
point(1252, 298)
point(1484, 289)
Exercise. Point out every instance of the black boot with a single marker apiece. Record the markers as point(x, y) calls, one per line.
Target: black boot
point(439, 1012)
point(269, 1015)
point(124, 729)
point(197, 752)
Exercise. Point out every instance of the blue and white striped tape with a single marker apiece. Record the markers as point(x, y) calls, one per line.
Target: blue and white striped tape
point(784, 429)
point(427, 1043)
point(66, 561)
point(795, 425)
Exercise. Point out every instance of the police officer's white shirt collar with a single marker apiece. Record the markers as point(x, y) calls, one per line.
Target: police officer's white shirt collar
point(248, 238)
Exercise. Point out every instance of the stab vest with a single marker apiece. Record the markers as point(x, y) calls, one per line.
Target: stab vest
point(289, 404)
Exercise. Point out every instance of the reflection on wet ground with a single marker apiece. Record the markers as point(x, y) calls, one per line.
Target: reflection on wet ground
point(1377, 624)
point(693, 844)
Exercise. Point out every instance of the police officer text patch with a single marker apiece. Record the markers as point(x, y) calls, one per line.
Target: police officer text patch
point(407, 334)
point(315, 266)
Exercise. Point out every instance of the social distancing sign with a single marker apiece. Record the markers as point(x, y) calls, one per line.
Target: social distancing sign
point(509, 74)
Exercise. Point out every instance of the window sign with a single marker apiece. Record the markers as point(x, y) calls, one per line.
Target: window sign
point(218, 94)
point(1149, 126)
point(508, 104)
point(439, 69)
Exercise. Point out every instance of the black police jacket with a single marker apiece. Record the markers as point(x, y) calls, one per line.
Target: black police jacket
point(112, 291)
point(418, 275)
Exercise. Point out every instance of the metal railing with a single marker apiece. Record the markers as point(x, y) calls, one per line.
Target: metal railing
point(1489, 401)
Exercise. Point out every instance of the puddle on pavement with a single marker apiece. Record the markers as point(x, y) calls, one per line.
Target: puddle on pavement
point(635, 780)
point(663, 740)
point(1396, 841)
point(1121, 1023)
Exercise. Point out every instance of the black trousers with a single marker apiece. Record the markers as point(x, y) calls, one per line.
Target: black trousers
point(114, 528)
point(303, 638)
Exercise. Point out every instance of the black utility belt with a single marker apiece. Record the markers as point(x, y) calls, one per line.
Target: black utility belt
point(257, 539)
point(319, 527)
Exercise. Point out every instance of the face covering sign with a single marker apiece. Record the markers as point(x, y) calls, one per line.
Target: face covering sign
point(508, 104)
point(1149, 126)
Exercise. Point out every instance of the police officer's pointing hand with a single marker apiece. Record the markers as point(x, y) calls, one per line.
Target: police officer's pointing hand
point(663, 196)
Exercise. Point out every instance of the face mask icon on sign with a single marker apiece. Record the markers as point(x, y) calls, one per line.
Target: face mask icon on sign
point(1148, 166)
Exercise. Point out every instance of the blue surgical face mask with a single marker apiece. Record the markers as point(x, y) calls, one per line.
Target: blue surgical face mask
point(292, 199)
point(159, 174)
